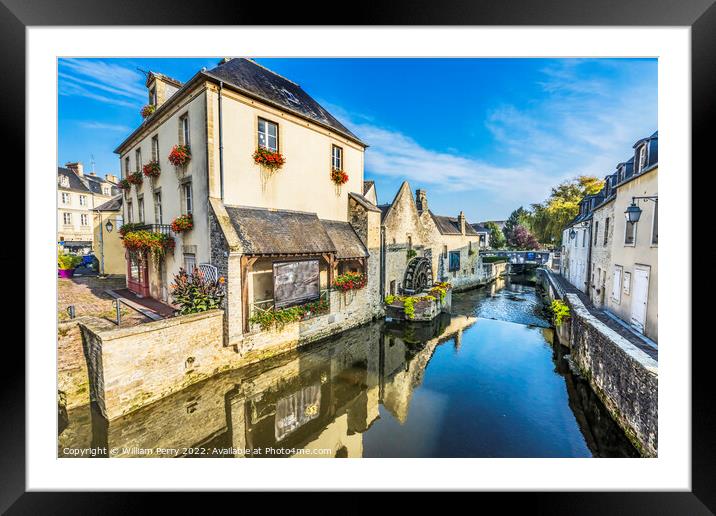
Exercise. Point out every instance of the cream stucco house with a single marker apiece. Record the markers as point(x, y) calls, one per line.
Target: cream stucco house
point(263, 230)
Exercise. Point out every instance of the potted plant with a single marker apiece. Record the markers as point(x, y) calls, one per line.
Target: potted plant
point(182, 223)
point(148, 110)
point(143, 241)
point(152, 169)
point(136, 179)
point(125, 185)
point(269, 159)
point(349, 281)
point(179, 155)
point(339, 177)
point(66, 264)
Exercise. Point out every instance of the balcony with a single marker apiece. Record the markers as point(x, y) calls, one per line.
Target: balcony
point(157, 228)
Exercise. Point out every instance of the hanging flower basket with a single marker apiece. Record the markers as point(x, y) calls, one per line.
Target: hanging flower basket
point(148, 110)
point(180, 155)
point(152, 169)
point(129, 227)
point(136, 178)
point(143, 241)
point(339, 177)
point(182, 223)
point(349, 281)
point(125, 185)
point(269, 159)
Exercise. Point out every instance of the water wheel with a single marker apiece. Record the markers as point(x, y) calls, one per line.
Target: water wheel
point(418, 275)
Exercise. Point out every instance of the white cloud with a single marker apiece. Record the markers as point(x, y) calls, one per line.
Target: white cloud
point(104, 127)
point(92, 78)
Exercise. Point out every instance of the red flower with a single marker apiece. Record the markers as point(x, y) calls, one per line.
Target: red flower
point(179, 155)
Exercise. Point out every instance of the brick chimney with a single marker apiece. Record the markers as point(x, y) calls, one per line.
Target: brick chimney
point(421, 200)
point(111, 178)
point(461, 220)
point(76, 167)
point(160, 88)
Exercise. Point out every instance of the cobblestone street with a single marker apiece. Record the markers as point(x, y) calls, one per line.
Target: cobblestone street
point(87, 295)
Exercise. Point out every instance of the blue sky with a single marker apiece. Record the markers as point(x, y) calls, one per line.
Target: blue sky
point(481, 135)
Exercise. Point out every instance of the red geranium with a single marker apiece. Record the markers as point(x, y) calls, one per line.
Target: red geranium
point(350, 281)
point(182, 223)
point(339, 177)
point(148, 110)
point(180, 155)
point(136, 178)
point(269, 159)
point(125, 185)
point(152, 169)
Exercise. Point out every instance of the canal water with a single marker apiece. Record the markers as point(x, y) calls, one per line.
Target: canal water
point(486, 380)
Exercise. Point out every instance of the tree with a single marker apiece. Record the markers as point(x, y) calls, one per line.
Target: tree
point(519, 217)
point(548, 219)
point(497, 237)
point(522, 239)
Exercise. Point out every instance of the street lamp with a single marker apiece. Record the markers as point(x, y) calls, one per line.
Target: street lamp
point(109, 226)
point(633, 212)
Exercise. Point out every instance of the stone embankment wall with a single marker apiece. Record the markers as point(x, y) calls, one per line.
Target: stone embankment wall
point(72, 380)
point(623, 376)
point(132, 367)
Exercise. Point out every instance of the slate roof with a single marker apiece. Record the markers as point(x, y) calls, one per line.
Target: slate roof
point(347, 242)
point(479, 228)
point(451, 226)
point(114, 204)
point(367, 185)
point(94, 183)
point(384, 208)
point(75, 182)
point(249, 77)
point(363, 202)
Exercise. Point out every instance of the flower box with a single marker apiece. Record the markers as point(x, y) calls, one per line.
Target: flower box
point(125, 185)
point(152, 169)
point(136, 178)
point(269, 159)
point(148, 110)
point(339, 177)
point(182, 223)
point(179, 155)
point(349, 281)
point(143, 241)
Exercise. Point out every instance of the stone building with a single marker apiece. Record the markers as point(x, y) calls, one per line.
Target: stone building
point(107, 246)
point(77, 195)
point(278, 236)
point(414, 238)
point(577, 244)
point(601, 242)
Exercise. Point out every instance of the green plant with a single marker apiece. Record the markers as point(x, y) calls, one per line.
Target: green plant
point(68, 261)
point(440, 290)
point(129, 227)
point(152, 169)
point(273, 318)
point(409, 307)
point(179, 155)
point(136, 178)
point(195, 293)
point(411, 253)
point(142, 240)
point(148, 110)
point(269, 159)
point(182, 223)
point(560, 312)
point(389, 299)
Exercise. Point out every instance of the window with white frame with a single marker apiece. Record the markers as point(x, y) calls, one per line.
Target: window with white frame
point(84, 219)
point(655, 225)
point(129, 212)
point(157, 207)
point(184, 129)
point(642, 158)
point(138, 160)
point(188, 201)
point(630, 233)
point(268, 135)
point(83, 200)
point(337, 155)
point(189, 262)
point(140, 209)
point(606, 230)
point(626, 283)
point(64, 181)
point(155, 148)
point(65, 198)
point(67, 218)
point(617, 283)
point(105, 190)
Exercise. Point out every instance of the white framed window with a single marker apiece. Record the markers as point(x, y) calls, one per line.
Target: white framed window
point(606, 230)
point(138, 159)
point(630, 233)
point(626, 287)
point(84, 219)
point(268, 135)
point(337, 158)
point(655, 225)
point(617, 284)
point(129, 212)
point(189, 263)
point(83, 200)
point(642, 158)
point(105, 190)
point(155, 148)
point(65, 198)
point(158, 207)
point(64, 181)
point(140, 209)
point(67, 218)
point(184, 129)
point(188, 201)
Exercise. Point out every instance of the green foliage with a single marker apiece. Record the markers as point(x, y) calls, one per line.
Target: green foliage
point(129, 227)
point(560, 312)
point(195, 293)
point(349, 281)
point(68, 261)
point(497, 237)
point(389, 299)
point(272, 318)
point(409, 307)
point(440, 290)
point(411, 253)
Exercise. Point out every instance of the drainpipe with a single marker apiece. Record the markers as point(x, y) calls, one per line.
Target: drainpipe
point(221, 145)
point(101, 242)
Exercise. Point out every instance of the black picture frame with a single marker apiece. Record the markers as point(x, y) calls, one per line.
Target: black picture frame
point(700, 15)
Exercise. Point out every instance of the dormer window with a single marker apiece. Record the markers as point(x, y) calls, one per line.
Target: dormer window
point(642, 158)
point(64, 181)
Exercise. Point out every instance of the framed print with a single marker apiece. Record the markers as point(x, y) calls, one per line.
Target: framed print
point(412, 253)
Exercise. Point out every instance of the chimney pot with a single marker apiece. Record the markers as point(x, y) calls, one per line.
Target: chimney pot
point(76, 167)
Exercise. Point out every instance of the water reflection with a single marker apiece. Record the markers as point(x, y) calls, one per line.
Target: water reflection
point(465, 385)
